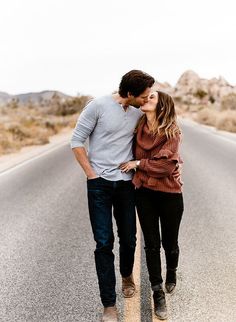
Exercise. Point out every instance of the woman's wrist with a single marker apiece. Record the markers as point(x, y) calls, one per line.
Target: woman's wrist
point(137, 163)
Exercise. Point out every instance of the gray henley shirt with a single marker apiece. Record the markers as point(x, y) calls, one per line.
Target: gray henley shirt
point(110, 131)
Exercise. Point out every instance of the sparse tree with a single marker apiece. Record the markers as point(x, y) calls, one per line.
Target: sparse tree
point(14, 103)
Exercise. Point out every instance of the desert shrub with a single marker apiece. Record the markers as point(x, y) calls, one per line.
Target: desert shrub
point(211, 99)
point(206, 116)
point(68, 107)
point(14, 103)
point(200, 93)
point(178, 110)
point(51, 125)
point(177, 99)
point(29, 121)
point(33, 124)
point(228, 102)
point(14, 136)
point(30, 104)
point(38, 136)
point(226, 121)
point(184, 107)
point(72, 123)
point(19, 133)
point(196, 108)
point(4, 143)
point(7, 143)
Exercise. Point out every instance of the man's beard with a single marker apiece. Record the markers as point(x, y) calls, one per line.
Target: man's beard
point(136, 105)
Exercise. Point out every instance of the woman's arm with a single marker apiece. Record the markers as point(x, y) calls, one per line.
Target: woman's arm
point(160, 165)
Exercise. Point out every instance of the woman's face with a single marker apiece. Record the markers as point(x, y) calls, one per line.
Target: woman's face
point(150, 106)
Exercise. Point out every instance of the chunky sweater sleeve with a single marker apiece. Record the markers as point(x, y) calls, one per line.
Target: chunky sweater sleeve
point(85, 125)
point(164, 162)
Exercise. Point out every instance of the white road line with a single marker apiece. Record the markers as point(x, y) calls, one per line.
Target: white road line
point(23, 163)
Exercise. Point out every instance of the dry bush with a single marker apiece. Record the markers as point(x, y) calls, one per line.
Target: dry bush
point(182, 107)
point(226, 121)
point(7, 145)
point(13, 104)
point(33, 124)
point(228, 102)
point(177, 99)
point(15, 136)
point(178, 110)
point(196, 108)
point(68, 107)
point(7, 142)
point(206, 116)
point(200, 93)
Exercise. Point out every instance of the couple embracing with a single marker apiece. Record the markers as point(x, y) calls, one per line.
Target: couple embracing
point(133, 161)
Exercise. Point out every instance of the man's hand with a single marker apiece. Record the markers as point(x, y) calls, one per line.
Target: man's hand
point(94, 176)
point(81, 156)
point(127, 166)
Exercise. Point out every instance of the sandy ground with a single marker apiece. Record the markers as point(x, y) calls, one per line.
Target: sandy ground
point(10, 160)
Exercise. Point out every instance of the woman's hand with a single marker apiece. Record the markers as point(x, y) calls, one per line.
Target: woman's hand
point(127, 166)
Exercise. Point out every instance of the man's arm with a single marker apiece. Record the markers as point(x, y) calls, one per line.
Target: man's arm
point(82, 157)
point(85, 125)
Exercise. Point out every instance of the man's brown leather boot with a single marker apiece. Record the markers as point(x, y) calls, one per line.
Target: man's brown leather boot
point(128, 286)
point(110, 314)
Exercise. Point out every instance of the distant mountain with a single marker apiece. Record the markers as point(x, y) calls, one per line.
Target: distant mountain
point(3, 94)
point(34, 97)
point(190, 88)
point(4, 97)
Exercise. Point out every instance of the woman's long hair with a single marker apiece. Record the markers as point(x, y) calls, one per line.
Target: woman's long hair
point(166, 118)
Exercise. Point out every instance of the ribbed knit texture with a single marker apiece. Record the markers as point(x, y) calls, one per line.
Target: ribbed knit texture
point(160, 161)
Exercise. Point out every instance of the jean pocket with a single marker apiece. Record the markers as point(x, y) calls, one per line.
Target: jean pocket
point(93, 179)
point(93, 182)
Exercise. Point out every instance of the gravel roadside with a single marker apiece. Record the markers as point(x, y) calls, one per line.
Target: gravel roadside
point(8, 161)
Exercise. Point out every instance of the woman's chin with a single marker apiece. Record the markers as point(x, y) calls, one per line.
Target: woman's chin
point(143, 109)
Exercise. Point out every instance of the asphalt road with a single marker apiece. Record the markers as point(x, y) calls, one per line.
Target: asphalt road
point(47, 269)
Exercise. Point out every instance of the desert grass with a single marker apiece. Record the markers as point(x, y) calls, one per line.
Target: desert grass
point(31, 124)
point(226, 121)
point(221, 118)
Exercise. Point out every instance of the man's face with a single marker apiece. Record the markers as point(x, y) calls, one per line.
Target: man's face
point(139, 100)
point(152, 103)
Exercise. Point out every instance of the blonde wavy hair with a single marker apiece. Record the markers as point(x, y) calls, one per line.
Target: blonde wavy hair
point(166, 118)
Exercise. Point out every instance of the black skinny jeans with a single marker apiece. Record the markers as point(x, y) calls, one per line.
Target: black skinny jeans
point(152, 207)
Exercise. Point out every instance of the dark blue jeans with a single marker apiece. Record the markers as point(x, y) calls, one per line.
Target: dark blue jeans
point(103, 195)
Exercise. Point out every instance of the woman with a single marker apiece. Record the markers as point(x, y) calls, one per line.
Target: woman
point(158, 191)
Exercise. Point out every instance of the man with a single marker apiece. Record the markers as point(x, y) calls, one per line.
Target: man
point(109, 124)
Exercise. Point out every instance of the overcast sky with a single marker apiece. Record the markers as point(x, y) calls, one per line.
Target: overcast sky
point(86, 46)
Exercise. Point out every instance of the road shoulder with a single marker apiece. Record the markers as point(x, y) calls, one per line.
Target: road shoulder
point(210, 129)
point(11, 160)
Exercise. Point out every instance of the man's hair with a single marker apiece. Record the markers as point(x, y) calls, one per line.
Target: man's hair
point(135, 82)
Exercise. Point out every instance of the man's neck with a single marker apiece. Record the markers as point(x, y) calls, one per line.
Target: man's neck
point(121, 100)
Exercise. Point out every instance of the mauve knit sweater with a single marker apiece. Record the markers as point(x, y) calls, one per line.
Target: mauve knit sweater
point(159, 167)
